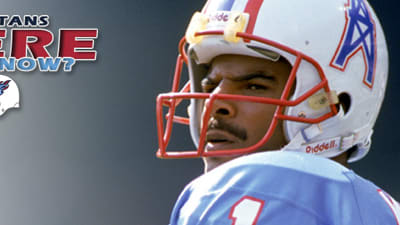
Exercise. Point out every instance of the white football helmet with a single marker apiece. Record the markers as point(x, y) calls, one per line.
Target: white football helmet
point(339, 57)
point(9, 94)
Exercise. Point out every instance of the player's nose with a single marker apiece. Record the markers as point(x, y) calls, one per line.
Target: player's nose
point(223, 107)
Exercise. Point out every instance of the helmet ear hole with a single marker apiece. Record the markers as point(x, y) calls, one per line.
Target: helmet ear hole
point(344, 102)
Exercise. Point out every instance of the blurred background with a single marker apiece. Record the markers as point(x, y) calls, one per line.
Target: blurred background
point(81, 149)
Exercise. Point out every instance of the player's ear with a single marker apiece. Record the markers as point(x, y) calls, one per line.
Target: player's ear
point(344, 102)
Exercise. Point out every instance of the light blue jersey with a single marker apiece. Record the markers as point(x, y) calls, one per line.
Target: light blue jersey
point(283, 188)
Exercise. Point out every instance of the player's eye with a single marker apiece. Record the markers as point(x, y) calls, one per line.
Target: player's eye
point(208, 88)
point(255, 87)
point(208, 85)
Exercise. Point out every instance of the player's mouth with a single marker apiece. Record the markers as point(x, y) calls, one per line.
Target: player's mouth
point(219, 139)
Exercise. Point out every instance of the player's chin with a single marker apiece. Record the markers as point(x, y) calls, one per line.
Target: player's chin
point(213, 162)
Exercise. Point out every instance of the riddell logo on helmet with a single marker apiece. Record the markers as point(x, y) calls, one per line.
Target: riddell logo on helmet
point(219, 16)
point(321, 147)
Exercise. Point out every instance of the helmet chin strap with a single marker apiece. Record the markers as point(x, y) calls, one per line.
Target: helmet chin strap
point(302, 141)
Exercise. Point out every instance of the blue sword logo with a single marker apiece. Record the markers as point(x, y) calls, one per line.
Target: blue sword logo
point(359, 34)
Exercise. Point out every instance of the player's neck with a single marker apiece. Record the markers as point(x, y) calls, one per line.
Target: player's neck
point(342, 159)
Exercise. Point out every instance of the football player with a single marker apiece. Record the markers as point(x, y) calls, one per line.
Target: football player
point(283, 95)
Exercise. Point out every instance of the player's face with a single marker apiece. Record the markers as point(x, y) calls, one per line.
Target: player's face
point(239, 124)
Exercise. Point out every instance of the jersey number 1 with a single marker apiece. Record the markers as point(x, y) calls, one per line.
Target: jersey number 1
point(246, 211)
